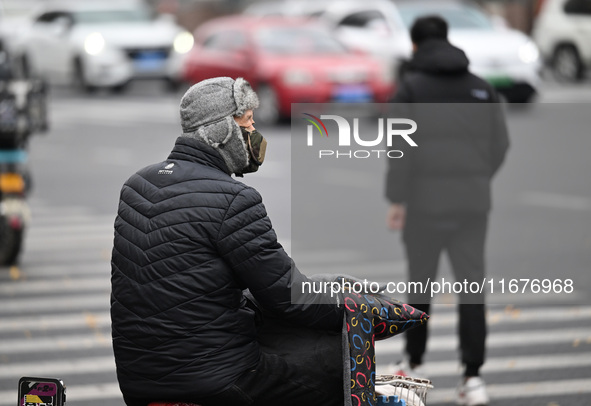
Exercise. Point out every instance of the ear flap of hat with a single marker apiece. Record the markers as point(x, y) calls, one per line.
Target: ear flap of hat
point(226, 137)
point(244, 96)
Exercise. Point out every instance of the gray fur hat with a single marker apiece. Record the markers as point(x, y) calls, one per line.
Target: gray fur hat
point(207, 114)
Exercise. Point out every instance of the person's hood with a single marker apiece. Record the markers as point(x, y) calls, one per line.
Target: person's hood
point(439, 56)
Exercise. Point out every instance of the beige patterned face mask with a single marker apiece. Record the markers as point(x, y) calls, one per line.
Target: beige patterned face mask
point(257, 146)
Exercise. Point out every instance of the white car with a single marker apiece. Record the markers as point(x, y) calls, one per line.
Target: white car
point(102, 44)
point(507, 58)
point(15, 17)
point(562, 31)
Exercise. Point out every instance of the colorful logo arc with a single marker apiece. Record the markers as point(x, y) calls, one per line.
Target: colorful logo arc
point(316, 123)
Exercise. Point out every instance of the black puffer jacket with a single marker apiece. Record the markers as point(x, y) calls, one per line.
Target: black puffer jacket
point(461, 134)
point(188, 239)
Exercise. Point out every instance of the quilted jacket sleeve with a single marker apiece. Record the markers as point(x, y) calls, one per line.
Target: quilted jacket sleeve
point(248, 243)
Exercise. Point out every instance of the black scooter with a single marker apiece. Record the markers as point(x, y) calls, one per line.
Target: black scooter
point(23, 112)
point(14, 210)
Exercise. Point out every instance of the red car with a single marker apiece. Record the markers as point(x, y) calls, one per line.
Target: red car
point(287, 61)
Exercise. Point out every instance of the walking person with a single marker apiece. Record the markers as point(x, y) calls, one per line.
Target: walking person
point(439, 192)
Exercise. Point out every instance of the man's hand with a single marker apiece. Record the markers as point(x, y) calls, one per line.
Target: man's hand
point(396, 216)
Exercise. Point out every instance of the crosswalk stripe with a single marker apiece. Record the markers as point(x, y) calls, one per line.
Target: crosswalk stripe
point(82, 220)
point(60, 343)
point(503, 364)
point(42, 305)
point(47, 212)
point(444, 316)
point(519, 390)
point(392, 270)
point(443, 343)
point(512, 315)
point(87, 238)
point(58, 368)
point(556, 201)
point(436, 396)
point(43, 232)
point(325, 256)
point(496, 340)
point(433, 369)
point(102, 319)
point(71, 269)
point(97, 320)
point(62, 285)
point(497, 392)
point(109, 391)
point(62, 234)
point(68, 241)
point(67, 228)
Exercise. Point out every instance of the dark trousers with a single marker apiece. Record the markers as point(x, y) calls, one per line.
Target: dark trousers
point(297, 366)
point(276, 381)
point(463, 237)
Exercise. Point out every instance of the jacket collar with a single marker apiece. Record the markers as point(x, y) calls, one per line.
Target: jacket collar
point(193, 150)
point(439, 57)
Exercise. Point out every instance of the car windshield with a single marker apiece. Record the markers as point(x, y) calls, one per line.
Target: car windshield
point(14, 8)
point(457, 16)
point(297, 40)
point(112, 16)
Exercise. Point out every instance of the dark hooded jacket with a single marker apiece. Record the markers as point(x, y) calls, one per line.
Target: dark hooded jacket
point(189, 239)
point(461, 135)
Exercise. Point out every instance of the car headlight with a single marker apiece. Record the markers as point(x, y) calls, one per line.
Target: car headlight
point(293, 77)
point(94, 43)
point(528, 52)
point(183, 42)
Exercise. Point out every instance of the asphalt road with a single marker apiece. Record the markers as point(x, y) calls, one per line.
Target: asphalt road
point(54, 306)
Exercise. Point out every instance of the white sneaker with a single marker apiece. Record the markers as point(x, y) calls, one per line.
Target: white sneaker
point(403, 368)
point(472, 392)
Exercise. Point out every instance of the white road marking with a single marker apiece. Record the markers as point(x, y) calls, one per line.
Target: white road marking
point(556, 201)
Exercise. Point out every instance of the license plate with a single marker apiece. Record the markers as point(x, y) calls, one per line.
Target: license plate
point(149, 61)
point(41, 392)
point(352, 94)
point(500, 81)
point(11, 183)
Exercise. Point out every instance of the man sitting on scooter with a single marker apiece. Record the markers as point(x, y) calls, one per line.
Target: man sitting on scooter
point(189, 238)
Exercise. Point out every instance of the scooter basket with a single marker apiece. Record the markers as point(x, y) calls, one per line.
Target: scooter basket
point(406, 391)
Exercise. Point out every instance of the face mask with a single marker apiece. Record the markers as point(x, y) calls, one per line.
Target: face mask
point(256, 145)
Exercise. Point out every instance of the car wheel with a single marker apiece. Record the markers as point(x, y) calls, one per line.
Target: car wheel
point(120, 88)
point(79, 78)
point(519, 94)
point(268, 111)
point(172, 85)
point(567, 64)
